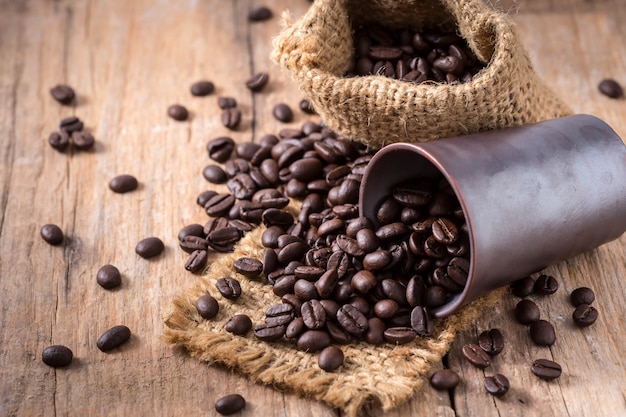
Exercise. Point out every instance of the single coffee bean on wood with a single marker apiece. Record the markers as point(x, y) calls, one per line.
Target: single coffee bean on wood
point(52, 234)
point(57, 356)
point(214, 174)
point(546, 285)
point(330, 358)
point(178, 112)
point(523, 287)
point(202, 88)
point(582, 295)
point(527, 312)
point(109, 277)
point(584, 315)
point(231, 117)
point(59, 140)
point(238, 324)
point(207, 306)
point(113, 338)
point(444, 379)
point(475, 355)
point(149, 247)
point(611, 88)
point(282, 112)
point(71, 124)
point(123, 183)
point(63, 93)
point(491, 341)
point(306, 106)
point(259, 14)
point(257, 81)
point(224, 102)
point(497, 385)
point(83, 140)
point(220, 148)
point(542, 333)
point(230, 404)
point(545, 369)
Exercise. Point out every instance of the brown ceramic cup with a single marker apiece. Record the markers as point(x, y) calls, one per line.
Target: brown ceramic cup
point(532, 195)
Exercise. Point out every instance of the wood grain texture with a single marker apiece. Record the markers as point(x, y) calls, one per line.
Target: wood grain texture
point(128, 62)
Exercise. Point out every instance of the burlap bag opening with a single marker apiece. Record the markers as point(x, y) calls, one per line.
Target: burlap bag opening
point(318, 50)
point(371, 378)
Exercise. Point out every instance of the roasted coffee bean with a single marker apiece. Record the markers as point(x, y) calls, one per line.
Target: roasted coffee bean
point(108, 276)
point(435, 296)
point(193, 229)
point(305, 290)
point(542, 333)
point(284, 284)
point(294, 251)
point(269, 332)
point(415, 291)
point(313, 340)
point(238, 324)
point(178, 112)
point(246, 150)
point(149, 247)
point(57, 356)
point(259, 14)
point(59, 140)
point(445, 231)
point(546, 285)
point(326, 283)
point(236, 166)
point(113, 338)
point(332, 226)
point(196, 260)
point(545, 369)
point(277, 217)
point(204, 197)
point(214, 174)
point(352, 320)
point(399, 335)
point(375, 331)
point(364, 281)
point(248, 267)
point(523, 287)
point(279, 314)
point(349, 246)
point(582, 295)
point(444, 379)
point(224, 102)
point(123, 183)
point(392, 231)
point(611, 88)
point(228, 287)
point(330, 358)
point(584, 315)
point(231, 117)
point(282, 112)
point(413, 195)
point(434, 248)
point(71, 124)
point(377, 260)
point(475, 355)
point(458, 270)
point(309, 273)
point(230, 404)
point(83, 140)
point(219, 204)
point(63, 93)
point(223, 239)
point(295, 328)
point(306, 169)
point(52, 234)
point(313, 314)
point(367, 240)
point(220, 148)
point(207, 306)
point(421, 321)
point(306, 106)
point(496, 385)
point(527, 312)
point(202, 88)
point(491, 341)
point(242, 186)
point(257, 81)
point(386, 308)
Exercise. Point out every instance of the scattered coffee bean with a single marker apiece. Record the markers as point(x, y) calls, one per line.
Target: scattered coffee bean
point(214, 174)
point(149, 247)
point(306, 107)
point(109, 276)
point(202, 88)
point(231, 117)
point(491, 341)
point(282, 112)
point(546, 369)
point(259, 14)
point(582, 295)
point(230, 404)
point(71, 124)
point(123, 183)
point(83, 140)
point(527, 312)
point(59, 140)
point(207, 306)
point(226, 102)
point(220, 148)
point(542, 333)
point(249, 267)
point(444, 379)
point(228, 287)
point(57, 356)
point(62, 93)
point(196, 260)
point(475, 355)
point(546, 285)
point(585, 315)
point(113, 338)
point(257, 81)
point(523, 287)
point(239, 324)
point(178, 112)
point(497, 385)
point(331, 358)
point(52, 234)
point(611, 88)
point(313, 340)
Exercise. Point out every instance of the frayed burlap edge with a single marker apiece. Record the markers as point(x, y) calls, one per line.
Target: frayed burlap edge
point(317, 50)
point(372, 376)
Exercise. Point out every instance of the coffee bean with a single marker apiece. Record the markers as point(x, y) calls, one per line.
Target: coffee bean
point(108, 277)
point(546, 369)
point(83, 140)
point(352, 320)
point(546, 285)
point(113, 338)
point(193, 243)
point(582, 295)
point(445, 231)
point(205, 196)
point(242, 186)
point(178, 112)
point(326, 284)
point(282, 112)
point(59, 140)
point(149, 247)
point(226, 102)
point(295, 328)
point(421, 321)
point(313, 340)
point(542, 333)
point(306, 107)
point(415, 291)
point(71, 124)
point(231, 117)
point(611, 88)
point(52, 234)
point(279, 314)
point(330, 358)
point(62, 93)
point(230, 404)
point(475, 355)
point(313, 314)
point(399, 335)
point(527, 312)
point(435, 296)
point(444, 379)
point(219, 204)
point(377, 260)
point(584, 315)
point(228, 287)
point(202, 88)
point(258, 81)
point(57, 356)
point(220, 148)
point(523, 287)
point(196, 260)
point(259, 14)
point(249, 267)
point(491, 341)
point(239, 324)
point(123, 183)
point(207, 306)
point(269, 332)
point(497, 384)
point(214, 174)
point(309, 273)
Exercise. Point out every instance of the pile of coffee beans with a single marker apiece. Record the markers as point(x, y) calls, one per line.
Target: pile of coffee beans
point(413, 56)
point(71, 131)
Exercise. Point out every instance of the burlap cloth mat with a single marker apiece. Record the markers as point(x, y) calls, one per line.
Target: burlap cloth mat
point(372, 377)
point(317, 51)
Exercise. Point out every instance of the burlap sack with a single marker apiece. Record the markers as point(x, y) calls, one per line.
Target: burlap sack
point(318, 50)
point(371, 378)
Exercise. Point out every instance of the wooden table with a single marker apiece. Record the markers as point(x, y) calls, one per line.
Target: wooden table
point(128, 61)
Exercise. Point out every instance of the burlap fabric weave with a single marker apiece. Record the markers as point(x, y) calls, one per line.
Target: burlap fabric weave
point(371, 378)
point(318, 50)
